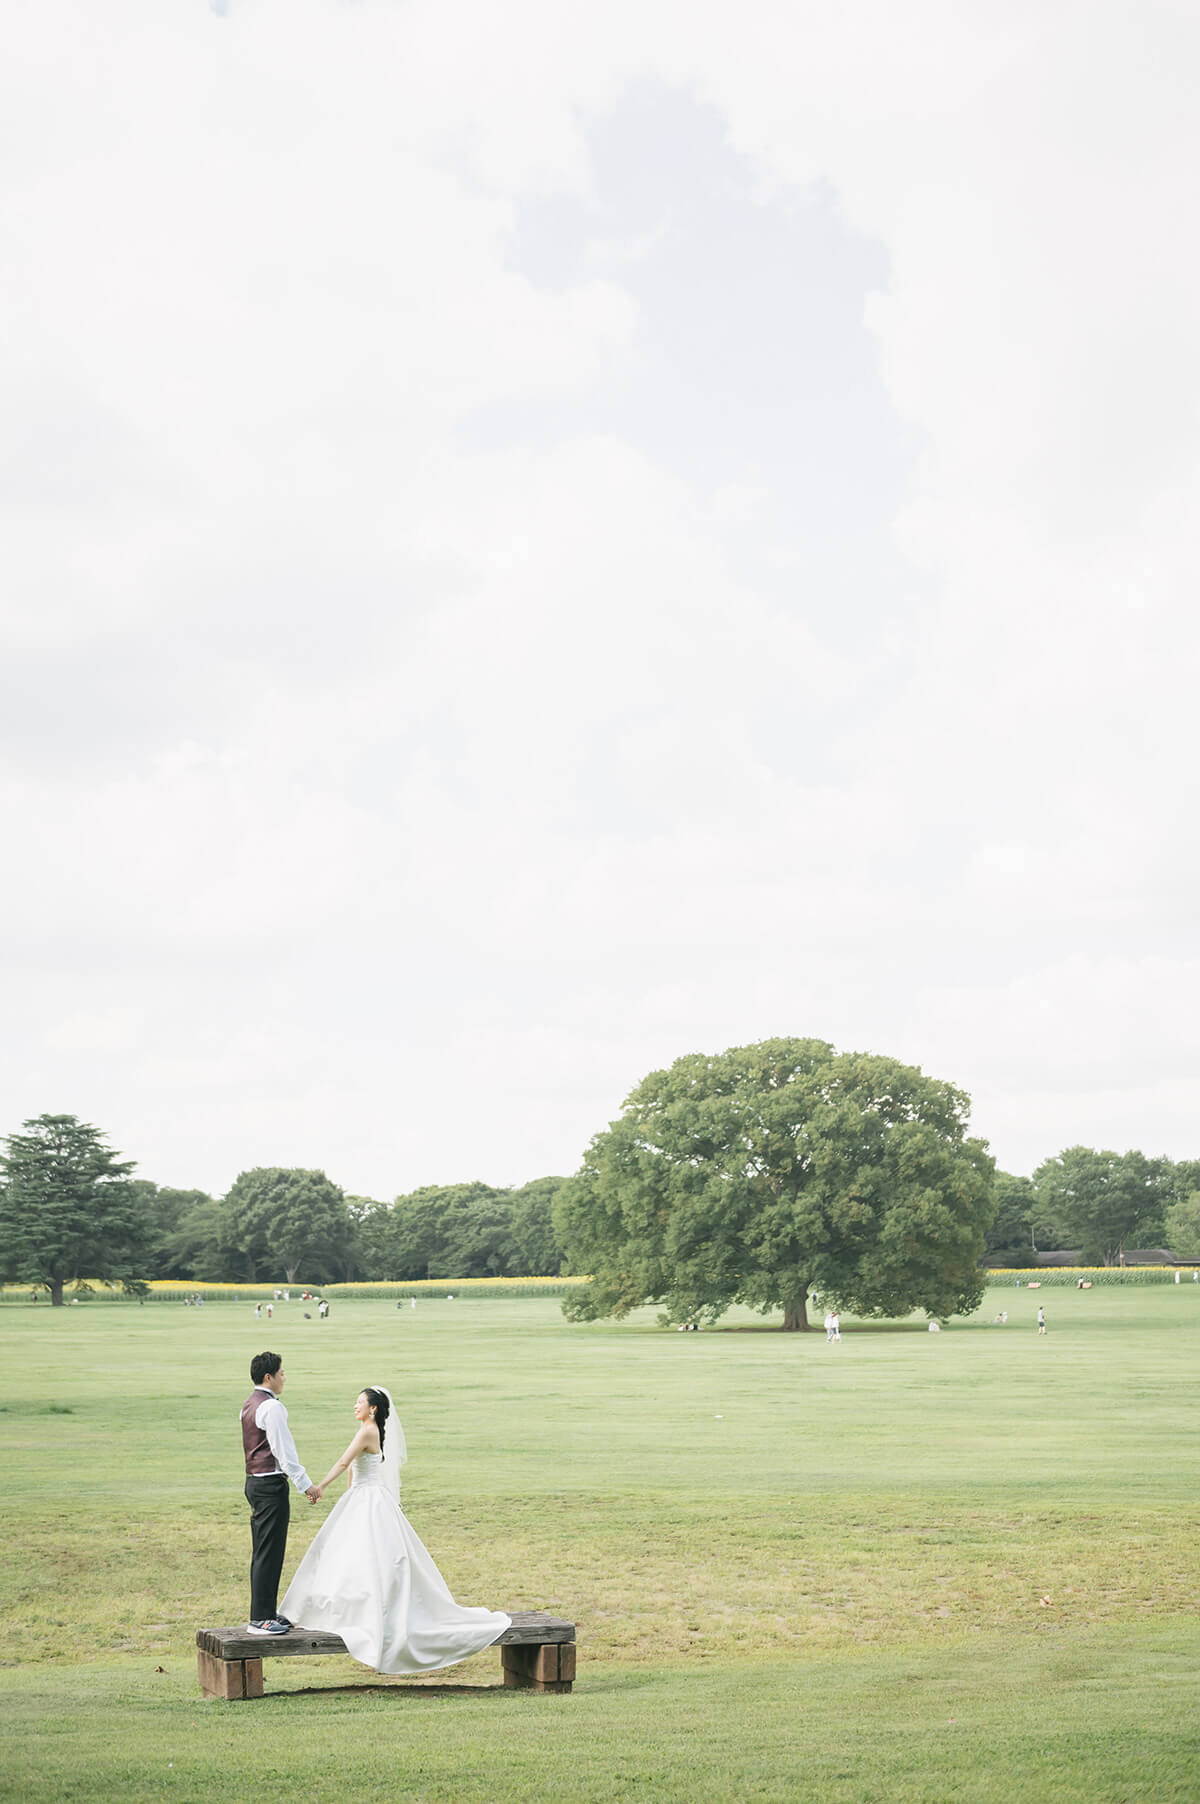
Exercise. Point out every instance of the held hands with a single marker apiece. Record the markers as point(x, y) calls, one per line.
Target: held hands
point(313, 1493)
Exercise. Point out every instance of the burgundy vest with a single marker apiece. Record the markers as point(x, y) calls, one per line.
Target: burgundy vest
point(260, 1461)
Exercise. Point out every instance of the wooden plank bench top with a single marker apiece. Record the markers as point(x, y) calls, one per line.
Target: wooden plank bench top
point(537, 1653)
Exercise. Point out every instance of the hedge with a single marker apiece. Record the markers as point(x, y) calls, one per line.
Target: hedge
point(1051, 1277)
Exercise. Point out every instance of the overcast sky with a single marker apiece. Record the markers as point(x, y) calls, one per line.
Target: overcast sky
point(539, 538)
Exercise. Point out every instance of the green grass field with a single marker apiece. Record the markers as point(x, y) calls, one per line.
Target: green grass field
point(910, 1567)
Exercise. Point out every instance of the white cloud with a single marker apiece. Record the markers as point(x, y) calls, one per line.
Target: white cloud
point(350, 762)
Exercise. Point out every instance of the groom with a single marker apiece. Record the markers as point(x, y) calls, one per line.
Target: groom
point(271, 1459)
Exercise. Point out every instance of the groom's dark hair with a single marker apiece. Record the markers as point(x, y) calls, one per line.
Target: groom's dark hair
point(262, 1363)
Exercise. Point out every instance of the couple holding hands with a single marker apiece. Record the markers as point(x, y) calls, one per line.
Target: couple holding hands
point(367, 1576)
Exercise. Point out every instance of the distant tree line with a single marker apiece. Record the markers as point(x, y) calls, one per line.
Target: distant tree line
point(1100, 1204)
point(757, 1176)
point(285, 1223)
point(70, 1209)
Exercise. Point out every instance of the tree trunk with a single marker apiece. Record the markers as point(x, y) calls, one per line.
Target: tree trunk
point(56, 1290)
point(794, 1314)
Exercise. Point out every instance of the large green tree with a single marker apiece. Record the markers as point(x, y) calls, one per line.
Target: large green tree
point(1103, 1202)
point(285, 1221)
point(67, 1208)
point(771, 1170)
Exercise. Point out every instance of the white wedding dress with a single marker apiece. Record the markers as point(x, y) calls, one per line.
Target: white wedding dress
point(368, 1578)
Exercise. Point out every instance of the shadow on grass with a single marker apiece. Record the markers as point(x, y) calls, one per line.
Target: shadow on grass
point(600, 1683)
point(815, 1329)
point(390, 1691)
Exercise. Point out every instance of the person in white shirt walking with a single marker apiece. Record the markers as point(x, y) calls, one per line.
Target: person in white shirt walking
point(271, 1460)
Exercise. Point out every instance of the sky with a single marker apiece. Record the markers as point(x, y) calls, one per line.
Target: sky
point(539, 539)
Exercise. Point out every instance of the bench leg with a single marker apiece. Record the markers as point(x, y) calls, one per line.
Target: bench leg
point(228, 1678)
point(545, 1666)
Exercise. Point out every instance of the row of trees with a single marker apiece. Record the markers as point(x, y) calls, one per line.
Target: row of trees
point(1100, 1204)
point(294, 1223)
point(759, 1175)
point(71, 1209)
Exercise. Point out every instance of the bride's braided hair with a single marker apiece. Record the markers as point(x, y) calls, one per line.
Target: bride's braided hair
point(380, 1405)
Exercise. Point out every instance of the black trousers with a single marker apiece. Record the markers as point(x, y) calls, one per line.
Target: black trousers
point(270, 1510)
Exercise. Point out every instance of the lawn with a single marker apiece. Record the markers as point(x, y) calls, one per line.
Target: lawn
point(911, 1566)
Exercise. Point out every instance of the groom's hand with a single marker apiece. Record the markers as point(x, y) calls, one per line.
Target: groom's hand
point(313, 1493)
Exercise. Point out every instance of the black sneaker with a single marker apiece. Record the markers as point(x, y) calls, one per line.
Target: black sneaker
point(274, 1625)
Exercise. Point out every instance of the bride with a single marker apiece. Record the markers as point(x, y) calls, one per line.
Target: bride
point(368, 1578)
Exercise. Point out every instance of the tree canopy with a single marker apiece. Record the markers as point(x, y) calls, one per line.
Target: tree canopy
point(1183, 1227)
point(463, 1231)
point(285, 1220)
point(767, 1171)
point(1021, 1227)
point(1103, 1202)
point(181, 1231)
point(533, 1247)
point(67, 1207)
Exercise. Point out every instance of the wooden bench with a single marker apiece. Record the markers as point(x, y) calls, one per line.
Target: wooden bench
point(536, 1654)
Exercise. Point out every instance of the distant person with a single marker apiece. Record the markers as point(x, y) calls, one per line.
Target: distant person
point(1041, 1320)
point(322, 1309)
point(835, 1322)
point(935, 1327)
point(258, 1312)
point(829, 1324)
point(271, 1460)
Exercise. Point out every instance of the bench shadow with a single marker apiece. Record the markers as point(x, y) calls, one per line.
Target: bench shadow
point(394, 1691)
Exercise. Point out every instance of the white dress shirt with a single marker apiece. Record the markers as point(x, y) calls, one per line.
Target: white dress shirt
point(272, 1418)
